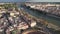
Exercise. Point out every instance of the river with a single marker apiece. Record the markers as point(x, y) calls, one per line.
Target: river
point(52, 20)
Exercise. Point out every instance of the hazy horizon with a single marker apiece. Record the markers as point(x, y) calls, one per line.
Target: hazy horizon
point(29, 0)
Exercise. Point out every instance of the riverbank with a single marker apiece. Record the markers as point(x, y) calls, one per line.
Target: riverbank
point(50, 25)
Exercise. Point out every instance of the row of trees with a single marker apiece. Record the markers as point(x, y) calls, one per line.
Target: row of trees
point(6, 6)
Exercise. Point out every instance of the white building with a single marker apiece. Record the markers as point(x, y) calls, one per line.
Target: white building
point(33, 23)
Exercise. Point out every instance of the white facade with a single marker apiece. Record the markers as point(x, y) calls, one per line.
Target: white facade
point(33, 24)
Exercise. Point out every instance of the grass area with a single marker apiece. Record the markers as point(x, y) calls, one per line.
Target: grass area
point(14, 31)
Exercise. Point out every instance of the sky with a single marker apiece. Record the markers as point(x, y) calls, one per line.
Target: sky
point(29, 0)
point(44, 0)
